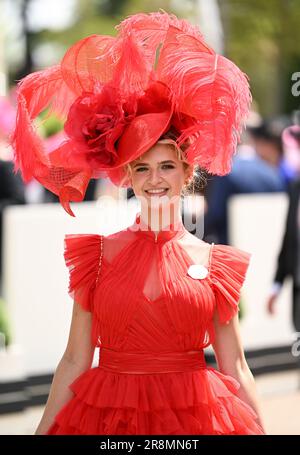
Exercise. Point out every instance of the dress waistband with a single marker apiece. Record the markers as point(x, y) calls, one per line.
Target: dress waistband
point(145, 363)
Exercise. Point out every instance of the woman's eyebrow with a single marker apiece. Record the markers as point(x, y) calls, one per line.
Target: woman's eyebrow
point(161, 162)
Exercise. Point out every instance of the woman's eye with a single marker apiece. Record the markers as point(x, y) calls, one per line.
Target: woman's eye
point(168, 166)
point(140, 169)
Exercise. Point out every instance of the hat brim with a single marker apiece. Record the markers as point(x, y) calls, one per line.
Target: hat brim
point(142, 133)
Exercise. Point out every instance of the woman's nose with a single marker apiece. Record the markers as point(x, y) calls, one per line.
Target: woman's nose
point(155, 176)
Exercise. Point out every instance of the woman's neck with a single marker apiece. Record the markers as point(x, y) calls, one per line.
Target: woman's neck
point(161, 219)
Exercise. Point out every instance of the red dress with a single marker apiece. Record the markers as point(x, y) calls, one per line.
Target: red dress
point(152, 320)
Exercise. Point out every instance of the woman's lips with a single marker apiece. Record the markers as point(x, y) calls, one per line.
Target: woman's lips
point(163, 193)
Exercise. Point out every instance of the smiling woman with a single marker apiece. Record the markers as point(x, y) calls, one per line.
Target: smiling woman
point(157, 178)
point(175, 159)
point(147, 113)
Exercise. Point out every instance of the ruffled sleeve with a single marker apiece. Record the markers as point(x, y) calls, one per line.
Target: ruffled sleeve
point(82, 253)
point(228, 272)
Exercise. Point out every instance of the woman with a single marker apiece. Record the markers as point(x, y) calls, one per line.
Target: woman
point(151, 296)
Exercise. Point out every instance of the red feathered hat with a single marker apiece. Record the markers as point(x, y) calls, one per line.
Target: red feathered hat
point(119, 95)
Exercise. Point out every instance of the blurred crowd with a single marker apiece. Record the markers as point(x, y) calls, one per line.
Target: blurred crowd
point(267, 161)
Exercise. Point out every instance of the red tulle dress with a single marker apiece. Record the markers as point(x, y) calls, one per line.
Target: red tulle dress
point(152, 320)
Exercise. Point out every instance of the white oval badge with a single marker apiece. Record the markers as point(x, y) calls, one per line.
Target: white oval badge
point(198, 271)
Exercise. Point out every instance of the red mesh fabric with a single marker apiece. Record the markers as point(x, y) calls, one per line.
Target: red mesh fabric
point(82, 256)
point(228, 268)
point(202, 402)
point(151, 321)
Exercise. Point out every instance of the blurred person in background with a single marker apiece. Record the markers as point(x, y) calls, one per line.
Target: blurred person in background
point(267, 140)
point(12, 188)
point(256, 168)
point(288, 260)
point(291, 146)
point(11, 192)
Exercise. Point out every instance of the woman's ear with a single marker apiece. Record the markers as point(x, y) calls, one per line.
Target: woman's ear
point(128, 176)
point(189, 174)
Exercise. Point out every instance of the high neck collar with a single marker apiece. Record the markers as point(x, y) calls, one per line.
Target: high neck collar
point(172, 231)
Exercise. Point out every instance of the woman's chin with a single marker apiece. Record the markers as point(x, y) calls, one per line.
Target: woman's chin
point(158, 201)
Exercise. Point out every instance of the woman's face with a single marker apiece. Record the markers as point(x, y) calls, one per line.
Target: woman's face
point(158, 169)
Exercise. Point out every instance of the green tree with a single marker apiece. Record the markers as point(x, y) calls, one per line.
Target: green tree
point(262, 37)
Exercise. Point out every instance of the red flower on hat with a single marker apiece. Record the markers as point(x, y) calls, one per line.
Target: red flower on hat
point(95, 122)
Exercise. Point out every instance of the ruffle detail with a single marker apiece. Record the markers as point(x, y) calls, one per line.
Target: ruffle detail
point(202, 402)
point(82, 257)
point(227, 273)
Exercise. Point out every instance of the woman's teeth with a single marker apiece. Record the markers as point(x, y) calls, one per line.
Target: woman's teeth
point(158, 191)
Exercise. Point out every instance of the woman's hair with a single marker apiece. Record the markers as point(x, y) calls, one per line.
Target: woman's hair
point(198, 180)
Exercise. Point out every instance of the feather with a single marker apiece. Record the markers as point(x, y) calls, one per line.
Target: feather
point(133, 71)
point(31, 159)
point(88, 62)
point(213, 91)
point(27, 145)
point(151, 30)
point(43, 89)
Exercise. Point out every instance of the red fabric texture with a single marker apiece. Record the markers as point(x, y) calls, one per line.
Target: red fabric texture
point(152, 377)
